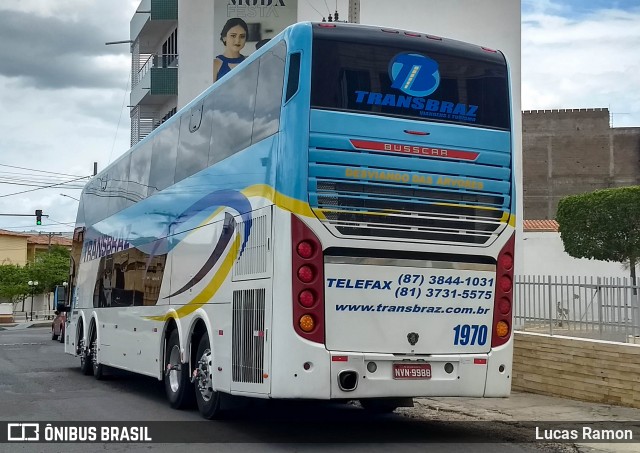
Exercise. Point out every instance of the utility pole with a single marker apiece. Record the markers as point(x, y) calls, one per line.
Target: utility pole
point(52, 234)
point(354, 11)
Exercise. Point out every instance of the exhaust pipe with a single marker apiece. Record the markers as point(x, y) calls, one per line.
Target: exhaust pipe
point(347, 380)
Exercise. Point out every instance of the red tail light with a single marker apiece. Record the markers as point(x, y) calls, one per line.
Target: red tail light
point(307, 298)
point(307, 263)
point(305, 249)
point(503, 302)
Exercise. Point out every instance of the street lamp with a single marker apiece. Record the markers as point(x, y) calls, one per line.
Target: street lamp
point(68, 196)
point(32, 284)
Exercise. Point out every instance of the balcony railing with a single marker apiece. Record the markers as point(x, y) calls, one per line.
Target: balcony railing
point(145, 62)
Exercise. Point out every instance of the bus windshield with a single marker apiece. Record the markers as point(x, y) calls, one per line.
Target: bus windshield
point(468, 88)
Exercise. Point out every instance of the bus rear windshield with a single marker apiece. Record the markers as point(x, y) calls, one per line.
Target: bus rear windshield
point(410, 83)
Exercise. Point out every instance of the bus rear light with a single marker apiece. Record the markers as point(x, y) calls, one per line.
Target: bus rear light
point(436, 38)
point(306, 274)
point(307, 323)
point(306, 298)
point(413, 35)
point(503, 301)
point(386, 30)
point(305, 249)
point(506, 261)
point(307, 282)
point(407, 131)
point(505, 283)
point(504, 306)
point(502, 329)
point(486, 49)
point(325, 25)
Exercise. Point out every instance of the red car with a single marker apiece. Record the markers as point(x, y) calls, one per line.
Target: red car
point(57, 326)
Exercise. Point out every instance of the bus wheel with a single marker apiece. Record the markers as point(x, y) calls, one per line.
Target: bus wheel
point(98, 368)
point(85, 359)
point(379, 406)
point(207, 398)
point(176, 375)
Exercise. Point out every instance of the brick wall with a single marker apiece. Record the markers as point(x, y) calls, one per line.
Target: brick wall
point(587, 370)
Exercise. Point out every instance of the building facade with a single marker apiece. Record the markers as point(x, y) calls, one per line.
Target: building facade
point(22, 248)
point(573, 151)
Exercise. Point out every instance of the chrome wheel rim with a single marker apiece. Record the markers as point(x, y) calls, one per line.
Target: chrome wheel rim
point(174, 359)
point(205, 376)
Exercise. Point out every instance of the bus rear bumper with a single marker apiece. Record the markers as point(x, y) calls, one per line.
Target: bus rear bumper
point(361, 375)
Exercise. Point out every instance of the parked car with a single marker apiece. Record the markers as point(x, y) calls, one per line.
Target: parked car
point(57, 326)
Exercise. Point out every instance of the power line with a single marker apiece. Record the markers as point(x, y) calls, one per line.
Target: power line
point(33, 169)
point(45, 187)
point(325, 4)
point(321, 15)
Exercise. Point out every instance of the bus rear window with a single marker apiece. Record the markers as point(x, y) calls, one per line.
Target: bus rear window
point(419, 84)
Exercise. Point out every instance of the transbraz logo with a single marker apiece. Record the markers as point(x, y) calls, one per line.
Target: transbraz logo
point(414, 74)
point(254, 8)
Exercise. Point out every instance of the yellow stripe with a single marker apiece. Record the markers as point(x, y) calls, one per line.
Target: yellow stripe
point(280, 200)
point(211, 289)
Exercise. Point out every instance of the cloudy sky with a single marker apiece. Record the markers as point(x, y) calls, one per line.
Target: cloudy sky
point(64, 94)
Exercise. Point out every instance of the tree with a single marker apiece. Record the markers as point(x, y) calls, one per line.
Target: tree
point(49, 269)
point(13, 283)
point(602, 225)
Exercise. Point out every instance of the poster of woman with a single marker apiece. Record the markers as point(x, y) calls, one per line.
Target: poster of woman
point(242, 26)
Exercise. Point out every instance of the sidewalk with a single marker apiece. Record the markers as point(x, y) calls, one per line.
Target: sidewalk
point(25, 324)
point(527, 409)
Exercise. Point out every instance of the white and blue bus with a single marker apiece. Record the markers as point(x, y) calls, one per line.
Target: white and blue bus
point(333, 219)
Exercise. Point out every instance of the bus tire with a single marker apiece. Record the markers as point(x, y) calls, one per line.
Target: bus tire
point(85, 360)
point(177, 384)
point(97, 367)
point(207, 398)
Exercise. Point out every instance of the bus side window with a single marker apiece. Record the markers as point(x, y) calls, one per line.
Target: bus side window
point(163, 157)
point(233, 105)
point(293, 82)
point(266, 120)
point(193, 144)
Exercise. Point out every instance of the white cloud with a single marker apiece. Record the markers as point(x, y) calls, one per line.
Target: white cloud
point(583, 62)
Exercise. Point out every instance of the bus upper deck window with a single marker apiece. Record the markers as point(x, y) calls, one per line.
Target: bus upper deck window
point(294, 75)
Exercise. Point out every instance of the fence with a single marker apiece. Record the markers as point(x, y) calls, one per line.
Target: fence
point(585, 307)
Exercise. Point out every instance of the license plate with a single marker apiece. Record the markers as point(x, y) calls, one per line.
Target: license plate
point(411, 371)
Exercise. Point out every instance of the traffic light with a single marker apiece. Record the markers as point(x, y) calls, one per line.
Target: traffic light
point(38, 216)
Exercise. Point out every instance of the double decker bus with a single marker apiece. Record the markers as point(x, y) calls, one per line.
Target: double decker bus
point(333, 219)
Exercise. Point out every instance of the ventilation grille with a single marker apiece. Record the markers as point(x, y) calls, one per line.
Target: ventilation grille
point(406, 212)
point(254, 260)
point(247, 349)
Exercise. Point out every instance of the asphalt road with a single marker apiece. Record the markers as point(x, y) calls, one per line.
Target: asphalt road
point(38, 382)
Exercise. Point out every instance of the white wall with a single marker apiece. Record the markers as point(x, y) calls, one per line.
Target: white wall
point(543, 254)
point(195, 49)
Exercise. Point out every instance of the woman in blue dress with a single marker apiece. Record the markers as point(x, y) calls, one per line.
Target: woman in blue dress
point(234, 37)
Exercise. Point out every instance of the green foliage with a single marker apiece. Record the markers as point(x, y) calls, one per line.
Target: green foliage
point(49, 269)
point(602, 225)
point(13, 281)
